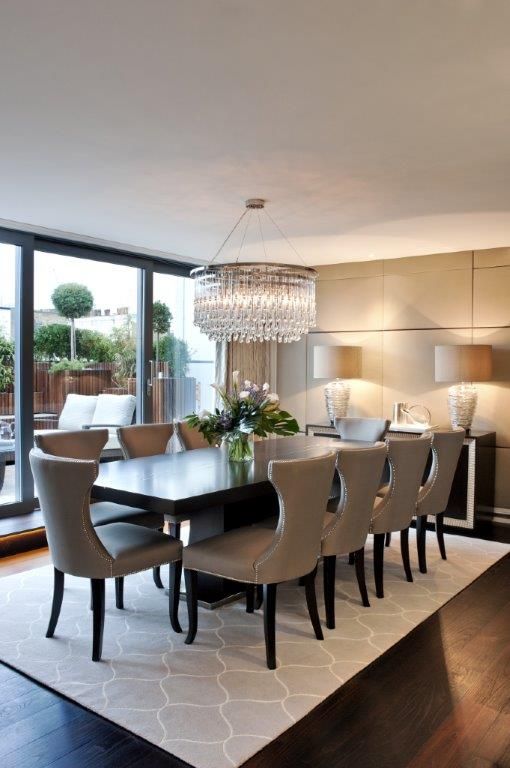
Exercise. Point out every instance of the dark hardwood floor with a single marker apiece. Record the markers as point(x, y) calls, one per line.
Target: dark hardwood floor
point(440, 698)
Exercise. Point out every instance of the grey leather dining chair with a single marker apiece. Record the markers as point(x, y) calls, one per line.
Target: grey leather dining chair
point(97, 553)
point(434, 495)
point(88, 445)
point(348, 518)
point(189, 437)
point(393, 511)
point(258, 555)
point(369, 430)
point(139, 440)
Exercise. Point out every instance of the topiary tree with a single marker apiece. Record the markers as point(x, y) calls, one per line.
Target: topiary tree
point(72, 300)
point(161, 319)
point(6, 363)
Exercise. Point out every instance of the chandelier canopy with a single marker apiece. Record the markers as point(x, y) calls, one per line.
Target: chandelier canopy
point(254, 301)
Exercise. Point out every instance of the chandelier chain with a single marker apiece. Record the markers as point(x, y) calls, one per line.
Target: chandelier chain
point(262, 235)
point(285, 237)
point(244, 234)
point(239, 220)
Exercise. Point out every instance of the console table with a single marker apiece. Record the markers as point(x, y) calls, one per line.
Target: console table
point(473, 484)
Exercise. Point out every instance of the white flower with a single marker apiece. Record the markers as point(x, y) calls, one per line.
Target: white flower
point(273, 397)
point(247, 383)
point(244, 395)
point(235, 378)
point(265, 387)
point(203, 414)
point(255, 388)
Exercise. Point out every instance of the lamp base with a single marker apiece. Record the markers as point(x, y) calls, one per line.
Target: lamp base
point(462, 399)
point(337, 395)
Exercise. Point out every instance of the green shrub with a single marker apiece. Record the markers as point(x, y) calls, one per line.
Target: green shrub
point(67, 365)
point(6, 363)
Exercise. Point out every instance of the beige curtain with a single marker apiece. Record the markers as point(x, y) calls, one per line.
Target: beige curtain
point(254, 360)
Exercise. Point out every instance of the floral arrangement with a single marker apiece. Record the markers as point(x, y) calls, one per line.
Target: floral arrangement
point(244, 412)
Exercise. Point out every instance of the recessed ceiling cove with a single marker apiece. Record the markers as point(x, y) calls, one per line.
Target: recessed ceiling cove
point(376, 130)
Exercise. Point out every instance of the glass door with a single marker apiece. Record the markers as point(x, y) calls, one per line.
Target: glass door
point(182, 364)
point(16, 485)
point(86, 344)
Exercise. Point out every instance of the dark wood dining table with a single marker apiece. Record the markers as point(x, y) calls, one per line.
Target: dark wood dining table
point(213, 493)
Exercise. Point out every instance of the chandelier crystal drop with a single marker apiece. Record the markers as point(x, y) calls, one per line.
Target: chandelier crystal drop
point(254, 301)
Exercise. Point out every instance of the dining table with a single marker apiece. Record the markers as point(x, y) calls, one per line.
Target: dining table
point(213, 493)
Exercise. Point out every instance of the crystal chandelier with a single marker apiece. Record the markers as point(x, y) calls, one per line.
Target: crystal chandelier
point(254, 301)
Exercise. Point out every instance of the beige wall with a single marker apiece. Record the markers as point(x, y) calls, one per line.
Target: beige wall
point(397, 311)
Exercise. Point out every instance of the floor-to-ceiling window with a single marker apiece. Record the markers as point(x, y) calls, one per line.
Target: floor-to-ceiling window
point(94, 323)
point(85, 343)
point(9, 488)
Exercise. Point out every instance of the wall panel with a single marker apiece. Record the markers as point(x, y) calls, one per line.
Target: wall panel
point(398, 310)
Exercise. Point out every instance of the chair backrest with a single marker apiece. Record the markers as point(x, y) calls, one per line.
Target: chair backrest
point(63, 488)
point(303, 487)
point(370, 430)
point(407, 458)
point(446, 448)
point(78, 444)
point(360, 473)
point(144, 439)
point(77, 411)
point(189, 437)
point(114, 410)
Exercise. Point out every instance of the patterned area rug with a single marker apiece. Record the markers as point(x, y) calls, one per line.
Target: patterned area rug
point(215, 704)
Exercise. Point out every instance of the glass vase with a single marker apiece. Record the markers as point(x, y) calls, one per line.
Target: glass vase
point(240, 447)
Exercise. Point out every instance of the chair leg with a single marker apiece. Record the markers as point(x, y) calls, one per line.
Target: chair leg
point(97, 618)
point(359, 562)
point(191, 579)
point(270, 624)
point(250, 598)
point(58, 595)
point(421, 541)
point(311, 604)
point(440, 534)
point(351, 558)
point(119, 592)
point(379, 563)
point(404, 549)
point(329, 573)
point(156, 575)
point(259, 596)
point(174, 594)
point(388, 539)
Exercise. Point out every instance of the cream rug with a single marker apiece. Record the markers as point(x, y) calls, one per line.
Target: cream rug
point(215, 704)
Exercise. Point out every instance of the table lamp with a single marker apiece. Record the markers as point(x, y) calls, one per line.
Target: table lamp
point(463, 363)
point(338, 363)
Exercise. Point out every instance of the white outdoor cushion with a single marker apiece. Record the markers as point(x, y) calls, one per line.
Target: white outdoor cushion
point(77, 411)
point(116, 410)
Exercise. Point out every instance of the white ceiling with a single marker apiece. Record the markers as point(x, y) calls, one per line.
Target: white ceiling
point(376, 128)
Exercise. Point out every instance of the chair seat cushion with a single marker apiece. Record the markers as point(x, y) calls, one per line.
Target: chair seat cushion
point(230, 554)
point(105, 512)
point(136, 548)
